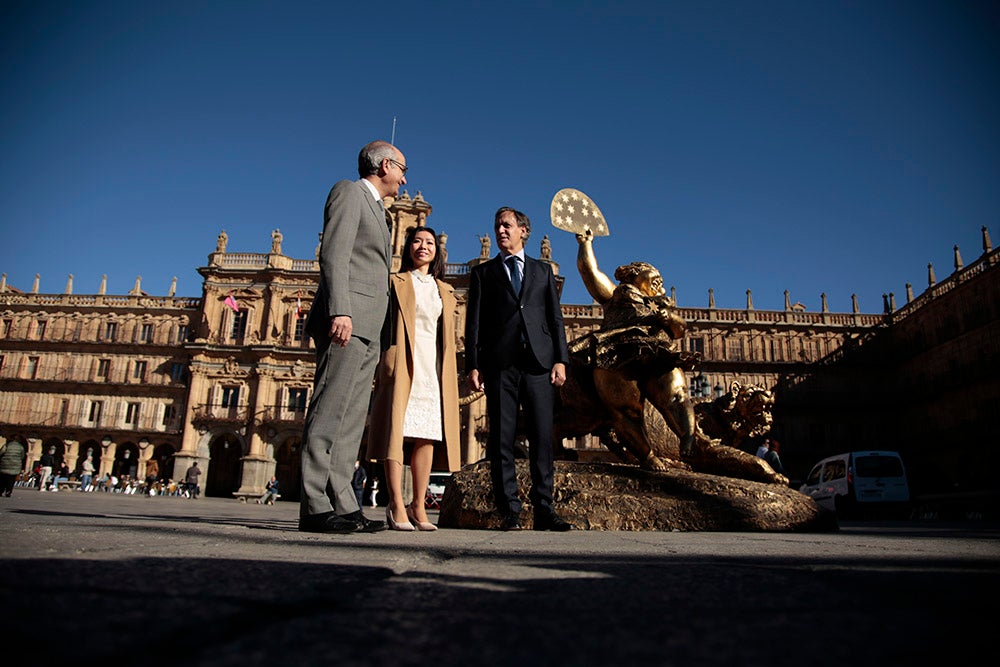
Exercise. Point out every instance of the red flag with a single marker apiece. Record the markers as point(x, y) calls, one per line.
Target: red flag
point(298, 306)
point(231, 302)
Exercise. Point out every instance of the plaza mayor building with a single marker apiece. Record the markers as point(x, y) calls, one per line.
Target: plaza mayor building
point(224, 379)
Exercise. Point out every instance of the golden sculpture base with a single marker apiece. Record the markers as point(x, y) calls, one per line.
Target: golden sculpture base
point(617, 496)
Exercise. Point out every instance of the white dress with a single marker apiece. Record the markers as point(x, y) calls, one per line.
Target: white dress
point(423, 410)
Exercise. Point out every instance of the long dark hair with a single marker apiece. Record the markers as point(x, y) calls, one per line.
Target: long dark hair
point(436, 267)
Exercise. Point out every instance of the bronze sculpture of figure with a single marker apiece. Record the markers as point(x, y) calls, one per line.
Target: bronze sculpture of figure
point(626, 382)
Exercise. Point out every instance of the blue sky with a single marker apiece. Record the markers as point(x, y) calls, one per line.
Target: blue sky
point(814, 147)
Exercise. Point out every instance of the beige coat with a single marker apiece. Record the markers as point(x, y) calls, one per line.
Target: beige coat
point(395, 376)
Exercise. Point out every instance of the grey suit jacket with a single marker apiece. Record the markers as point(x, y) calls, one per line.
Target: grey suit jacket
point(354, 260)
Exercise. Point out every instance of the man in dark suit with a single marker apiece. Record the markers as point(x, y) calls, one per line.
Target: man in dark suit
point(515, 350)
point(345, 322)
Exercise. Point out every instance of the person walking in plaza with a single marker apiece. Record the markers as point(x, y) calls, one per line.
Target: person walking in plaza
point(87, 474)
point(345, 323)
point(191, 479)
point(12, 458)
point(48, 461)
point(515, 351)
point(415, 408)
point(358, 480)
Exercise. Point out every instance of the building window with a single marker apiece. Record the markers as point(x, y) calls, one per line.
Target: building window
point(182, 333)
point(7, 326)
point(146, 334)
point(696, 345)
point(110, 330)
point(230, 397)
point(40, 329)
point(177, 372)
point(1, 362)
point(239, 325)
point(777, 351)
point(132, 414)
point(300, 327)
point(297, 400)
point(31, 370)
point(104, 368)
point(139, 370)
point(169, 414)
point(96, 408)
point(734, 349)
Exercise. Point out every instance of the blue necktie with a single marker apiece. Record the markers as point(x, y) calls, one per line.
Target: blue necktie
point(515, 274)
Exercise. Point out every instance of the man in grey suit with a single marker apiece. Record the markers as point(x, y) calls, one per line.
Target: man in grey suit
point(345, 322)
point(515, 350)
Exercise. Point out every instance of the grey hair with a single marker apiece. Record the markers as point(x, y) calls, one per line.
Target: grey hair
point(371, 156)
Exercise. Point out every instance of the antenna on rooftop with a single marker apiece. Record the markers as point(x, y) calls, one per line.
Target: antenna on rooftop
point(393, 140)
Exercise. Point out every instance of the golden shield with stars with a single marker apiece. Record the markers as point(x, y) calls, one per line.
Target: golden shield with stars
point(575, 212)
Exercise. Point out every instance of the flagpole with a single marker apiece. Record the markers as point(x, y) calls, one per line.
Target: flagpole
point(393, 140)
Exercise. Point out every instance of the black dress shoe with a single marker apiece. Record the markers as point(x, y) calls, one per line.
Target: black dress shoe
point(327, 522)
point(510, 522)
point(551, 521)
point(364, 524)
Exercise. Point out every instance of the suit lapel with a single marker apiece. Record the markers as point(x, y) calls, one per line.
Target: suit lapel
point(380, 218)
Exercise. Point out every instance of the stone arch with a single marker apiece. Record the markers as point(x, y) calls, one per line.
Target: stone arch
point(288, 467)
point(164, 456)
point(226, 451)
point(126, 460)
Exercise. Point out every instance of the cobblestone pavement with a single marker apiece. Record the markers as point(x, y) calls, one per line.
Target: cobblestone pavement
point(105, 578)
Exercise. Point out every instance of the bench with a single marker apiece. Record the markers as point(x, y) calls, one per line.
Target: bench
point(71, 485)
point(244, 497)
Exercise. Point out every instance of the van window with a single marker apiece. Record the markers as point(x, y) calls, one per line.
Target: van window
point(835, 470)
point(878, 466)
point(813, 477)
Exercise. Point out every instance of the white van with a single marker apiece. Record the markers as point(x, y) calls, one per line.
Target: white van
point(860, 483)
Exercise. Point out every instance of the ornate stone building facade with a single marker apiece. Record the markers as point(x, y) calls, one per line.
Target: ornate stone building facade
point(225, 379)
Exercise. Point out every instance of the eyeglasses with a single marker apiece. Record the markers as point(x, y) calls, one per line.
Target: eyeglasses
point(398, 164)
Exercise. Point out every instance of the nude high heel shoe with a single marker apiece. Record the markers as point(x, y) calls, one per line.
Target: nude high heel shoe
point(404, 526)
point(421, 525)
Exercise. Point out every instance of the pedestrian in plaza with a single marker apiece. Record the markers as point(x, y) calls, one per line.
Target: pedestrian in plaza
point(515, 351)
point(764, 446)
point(62, 475)
point(345, 323)
point(48, 462)
point(152, 476)
point(87, 474)
point(270, 492)
point(415, 409)
point(773, 459)
point(191, 479)
point(374, 492)
point(12, 457)
point(358, 480)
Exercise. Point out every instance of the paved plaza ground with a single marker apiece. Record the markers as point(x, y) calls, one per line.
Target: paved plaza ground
point(112, 579)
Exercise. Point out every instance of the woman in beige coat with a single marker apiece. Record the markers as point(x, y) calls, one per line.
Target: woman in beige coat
point(415, 409)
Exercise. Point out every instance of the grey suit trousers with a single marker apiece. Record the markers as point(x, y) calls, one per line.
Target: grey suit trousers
point(335, 425)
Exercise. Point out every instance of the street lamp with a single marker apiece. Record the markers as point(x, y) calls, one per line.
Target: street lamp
point(700, 387)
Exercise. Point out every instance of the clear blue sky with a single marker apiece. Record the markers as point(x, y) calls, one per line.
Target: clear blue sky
point(833, 147)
